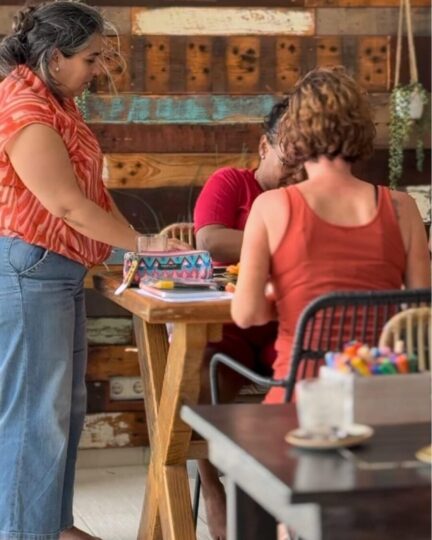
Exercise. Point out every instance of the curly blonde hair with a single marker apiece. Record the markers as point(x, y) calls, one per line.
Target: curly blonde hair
point(328, 115)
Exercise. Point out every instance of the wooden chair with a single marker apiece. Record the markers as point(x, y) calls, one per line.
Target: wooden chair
point(413, 327)
point(181, 231)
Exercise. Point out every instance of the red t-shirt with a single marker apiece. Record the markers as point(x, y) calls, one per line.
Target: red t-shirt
point(226, 199)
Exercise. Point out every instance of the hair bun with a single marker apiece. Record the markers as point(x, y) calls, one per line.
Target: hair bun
point(24, 20)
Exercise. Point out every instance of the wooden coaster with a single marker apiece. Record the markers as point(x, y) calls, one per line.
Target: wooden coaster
point(357, 434)
point(425, 454)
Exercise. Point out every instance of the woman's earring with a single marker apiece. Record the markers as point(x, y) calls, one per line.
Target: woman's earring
point(262, 156)
point(57, 68)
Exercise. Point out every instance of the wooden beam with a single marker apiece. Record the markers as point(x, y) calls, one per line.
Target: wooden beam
point(178, 110)
point(211, 21)
point(114, 430)
point(163, 170)
point(105, 362)
point(368, 21)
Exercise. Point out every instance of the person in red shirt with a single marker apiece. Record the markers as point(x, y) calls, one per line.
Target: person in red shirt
point(220, 216)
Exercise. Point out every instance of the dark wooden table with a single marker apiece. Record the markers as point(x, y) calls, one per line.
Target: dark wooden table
point(170, 371)
point(378, 491)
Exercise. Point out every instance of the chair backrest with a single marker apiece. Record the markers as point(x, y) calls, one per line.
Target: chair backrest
point(181, 231)
point(413, 327)
point(332, 320)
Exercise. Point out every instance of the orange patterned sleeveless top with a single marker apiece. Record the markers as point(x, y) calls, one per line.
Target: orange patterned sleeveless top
point(25, 100)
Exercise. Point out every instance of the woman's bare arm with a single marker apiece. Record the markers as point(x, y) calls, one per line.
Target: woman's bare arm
point(39, 157)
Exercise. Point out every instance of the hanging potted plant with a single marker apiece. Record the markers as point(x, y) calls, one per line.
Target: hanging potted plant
point(407, 104)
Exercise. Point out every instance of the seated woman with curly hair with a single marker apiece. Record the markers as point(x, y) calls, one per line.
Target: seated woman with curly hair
point(331, 232)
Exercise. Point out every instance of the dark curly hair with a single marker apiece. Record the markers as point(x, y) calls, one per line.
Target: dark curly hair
point(271, 121)
point(328, 116)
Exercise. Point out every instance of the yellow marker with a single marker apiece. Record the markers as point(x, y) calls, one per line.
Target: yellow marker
point(164, 284)
point(360, 366)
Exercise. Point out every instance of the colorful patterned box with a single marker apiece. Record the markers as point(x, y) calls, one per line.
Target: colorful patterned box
point(170, 264)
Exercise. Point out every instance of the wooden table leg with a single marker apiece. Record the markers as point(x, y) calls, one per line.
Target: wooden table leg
point(168, 383)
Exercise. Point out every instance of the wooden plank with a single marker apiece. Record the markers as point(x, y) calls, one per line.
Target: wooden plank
point(329, 51)
point(178, 110)
point(120, 17)
point(163, 170)
point(109, 331)
point(7, 13)
point(195, 3)
point(423, 53)
point(374, 63)
point(119, 69)
point(199, 76)
point(157, 54)
point(368, 21)
point(99, 306)
point(176, 138)
point(288, 62)
point(112, 361)
point(149, 210)
point(114, 430)
point(242, 64)
point(376, 169)
point(212, 21)
point(362, 3)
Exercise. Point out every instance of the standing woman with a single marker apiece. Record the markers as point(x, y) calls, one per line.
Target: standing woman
point(56, 221)
point(331, 232)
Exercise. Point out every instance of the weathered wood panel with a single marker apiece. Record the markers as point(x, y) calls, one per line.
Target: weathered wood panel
point(112, 361)
point(288, 62)
point(374, 63)
point(157, 61)
point(212, 21)
point(201, 3)
point(368, 21)
point(109, 331)
point(199, 52)
point(176, 138)
point(242, 61)
point(205, 138)
point(362, 3)
point(249, 64)
point(329, 51)
point(114, 430)
point(163, 170)
point(182, 110)
point(423, 52)
point(99, 306)
point(149, 210)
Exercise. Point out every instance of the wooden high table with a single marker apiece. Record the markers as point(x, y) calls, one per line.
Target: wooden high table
point(170, 375)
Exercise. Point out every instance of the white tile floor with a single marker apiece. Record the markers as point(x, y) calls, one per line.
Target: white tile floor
point(108, 498)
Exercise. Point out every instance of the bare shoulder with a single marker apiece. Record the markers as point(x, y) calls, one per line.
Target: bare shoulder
point(270, 198)
point(403, 204)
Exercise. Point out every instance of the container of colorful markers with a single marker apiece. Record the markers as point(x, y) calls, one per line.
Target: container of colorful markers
point(360, 359)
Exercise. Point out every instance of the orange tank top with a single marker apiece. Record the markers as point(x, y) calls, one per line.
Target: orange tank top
point(316, 257)
point(25, 100)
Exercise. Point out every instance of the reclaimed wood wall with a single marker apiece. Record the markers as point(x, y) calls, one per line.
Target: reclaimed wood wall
point(200, 76)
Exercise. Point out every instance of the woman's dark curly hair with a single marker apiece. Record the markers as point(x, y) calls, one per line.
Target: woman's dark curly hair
point(328, 115)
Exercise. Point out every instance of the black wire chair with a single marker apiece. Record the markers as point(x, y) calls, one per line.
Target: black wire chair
point(326, 324)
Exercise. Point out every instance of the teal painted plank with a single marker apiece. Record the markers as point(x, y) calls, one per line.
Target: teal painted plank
point(139, 109)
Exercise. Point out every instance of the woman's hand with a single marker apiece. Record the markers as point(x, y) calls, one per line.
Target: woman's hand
point(177, 245)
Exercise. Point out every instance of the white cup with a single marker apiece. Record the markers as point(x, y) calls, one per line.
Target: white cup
point(152, 242)
point(323, 407)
